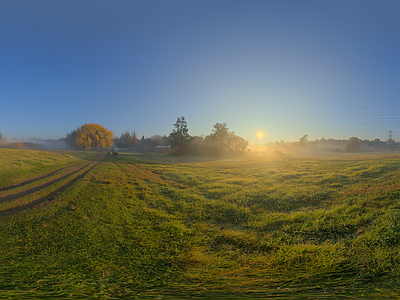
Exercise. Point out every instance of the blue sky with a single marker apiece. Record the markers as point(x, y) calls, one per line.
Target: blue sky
point(287, 68)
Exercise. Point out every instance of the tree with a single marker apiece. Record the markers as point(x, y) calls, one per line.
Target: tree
point(353, 145)
point(225, 140)
point(179, 135)
point(237, 143)
point(157, 140)
point(135, 141)
point(2, 139)
point(125, 140)
point(303, 140)
point(70, 139)
point(93, 136)
point(376, 143)
point(220, 135)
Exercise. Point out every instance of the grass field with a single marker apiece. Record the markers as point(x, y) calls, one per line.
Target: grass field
point(151, 225)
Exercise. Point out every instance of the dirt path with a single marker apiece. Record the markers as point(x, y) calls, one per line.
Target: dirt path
point(42, 186)
point(53, 194)
point(50, 196)
point(6, 188)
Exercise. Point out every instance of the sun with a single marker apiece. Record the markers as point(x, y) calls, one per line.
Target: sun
point(260, 134)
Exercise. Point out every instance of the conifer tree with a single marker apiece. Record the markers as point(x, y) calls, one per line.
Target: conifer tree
point(179, 135)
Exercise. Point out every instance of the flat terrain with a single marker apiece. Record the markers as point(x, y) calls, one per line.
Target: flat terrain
point(151, 225)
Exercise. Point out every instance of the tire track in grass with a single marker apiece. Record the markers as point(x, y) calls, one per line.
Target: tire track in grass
point(20, 184)
point(50, 196)
point(39, 187)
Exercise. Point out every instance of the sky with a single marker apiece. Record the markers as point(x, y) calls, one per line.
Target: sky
point(285, 68)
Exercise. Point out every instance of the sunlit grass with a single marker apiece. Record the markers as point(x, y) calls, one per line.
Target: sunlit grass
point(21, 164)
point(161, 225)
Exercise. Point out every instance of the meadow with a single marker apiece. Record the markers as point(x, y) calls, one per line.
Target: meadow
point(73, 224)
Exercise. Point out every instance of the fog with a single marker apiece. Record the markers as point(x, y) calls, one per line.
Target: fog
point(35, 143)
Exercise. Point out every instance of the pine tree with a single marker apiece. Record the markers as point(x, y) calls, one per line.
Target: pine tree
point(179, 135)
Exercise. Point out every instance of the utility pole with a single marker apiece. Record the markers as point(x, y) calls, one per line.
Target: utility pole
point(390, 141)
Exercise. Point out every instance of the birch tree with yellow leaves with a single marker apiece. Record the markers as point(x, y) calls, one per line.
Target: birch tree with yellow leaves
point(93, 136)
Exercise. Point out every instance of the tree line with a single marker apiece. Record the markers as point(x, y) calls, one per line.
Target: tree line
point(219, 141)
point(129, 140)
point(353, 144)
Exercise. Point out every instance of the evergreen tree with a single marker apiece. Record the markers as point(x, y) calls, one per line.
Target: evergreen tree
point(179, 135)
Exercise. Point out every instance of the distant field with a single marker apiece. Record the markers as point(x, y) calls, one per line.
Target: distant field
point(76, 224)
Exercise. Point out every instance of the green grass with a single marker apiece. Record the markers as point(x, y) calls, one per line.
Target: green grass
point(19, 165)
point(150, 225)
